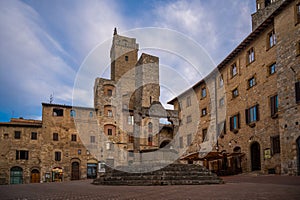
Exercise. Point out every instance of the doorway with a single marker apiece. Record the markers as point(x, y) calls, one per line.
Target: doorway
point(16, 175)
point(255, 156)
point(298, 155)
point(35, 176)
point(75, 171)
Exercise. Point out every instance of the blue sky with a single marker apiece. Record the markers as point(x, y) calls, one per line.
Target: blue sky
point(43, 43)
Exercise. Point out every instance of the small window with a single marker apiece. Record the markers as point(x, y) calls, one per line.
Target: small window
point(250, 56)
point(275, 144)
point(34, 135)
point(22, 155)
point(109, 131)
point(109, 113)
point(55, 136)
point(298, 13)
point(272, 69)
point(235, 122)
point(252, 114)
point(130, 120)
point(203, 92)
point(58, 112)
point(222, 102)
point(17, 134)
point(235, 93)
point(267, 3)
point(79, 151)
point(92, 139)
point(109, 92)
point(189, 140)
point(297, 91)
point(251, 82)
point(221, 81)
point(204, 112)
point(150, 127)
point(271, 39)
point(126, 58)
point(130, 139)
point(57, 156)
point(91, 114)
point(188, 102)
point(181, 142)
point(233, 70)
point(189, 119)
point(274, 105)
point(73, 113)
point(204, 135)
point(73, 137)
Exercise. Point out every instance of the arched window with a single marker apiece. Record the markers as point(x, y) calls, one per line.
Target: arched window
point(150, 127)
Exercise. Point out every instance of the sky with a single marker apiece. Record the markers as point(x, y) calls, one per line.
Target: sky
point(45, 44)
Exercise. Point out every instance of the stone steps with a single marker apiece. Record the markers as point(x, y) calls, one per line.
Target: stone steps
point(174, 174)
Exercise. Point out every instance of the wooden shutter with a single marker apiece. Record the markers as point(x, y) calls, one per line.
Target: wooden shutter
point(247, 116)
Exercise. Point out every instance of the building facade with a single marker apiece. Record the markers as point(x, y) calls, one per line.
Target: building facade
point(249, 105)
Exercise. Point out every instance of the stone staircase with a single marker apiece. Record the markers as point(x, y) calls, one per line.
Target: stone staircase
point(173, 174)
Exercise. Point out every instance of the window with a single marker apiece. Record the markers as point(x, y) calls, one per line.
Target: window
point(58, 112)
point(22, 155)
point(204, 135)
point(55, 136)
point(34, 135)
point(73, 137)
point(252, 114)
point(109, 131)
point(251, 82)
point(150, 140)
point(275, 144)
point(57, 156)
point(150, 127)
point(203, 92)
point(272, 69)
point(221, 81)
point(188, 101)
point(126, 58)
point(109, 92)
point(204, 112)
point(271, 39)
point(189, 119)
point(109, 113)
point(73, 113)
point(17, 134)
point(130, 120)
point(189, 140)
point(181, 142)
point(92, 139)
point(79, 151)
point(274, 105)
point(131, 139)
point(235, 122)
point(235, 93)
point(91, 114)
point(233, 70)
point(222, 128)
point(298, 13)
point(298, 48)
point(250, 56)
point(297, 91)
point(222, 102)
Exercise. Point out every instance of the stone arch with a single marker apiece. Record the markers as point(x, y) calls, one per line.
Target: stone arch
point(16, 175)
point(35, 175)
point(165, 143)
point(255, 156)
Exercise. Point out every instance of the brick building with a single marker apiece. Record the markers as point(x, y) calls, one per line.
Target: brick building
point(249, 104)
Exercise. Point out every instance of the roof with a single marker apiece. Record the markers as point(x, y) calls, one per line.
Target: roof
point(252, 36)
point(22, 122)
point(66, 106)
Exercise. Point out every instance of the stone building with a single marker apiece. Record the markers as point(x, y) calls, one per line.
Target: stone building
point(249, 104)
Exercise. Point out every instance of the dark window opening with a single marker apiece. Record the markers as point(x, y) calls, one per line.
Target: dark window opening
point(57, 156)
point(109, 93)
point(74, 138)
point(274, 105)
point(235, 93)
point(297, 91)
point(109, 131)
point(55, 136)
point(251, 82)
point(126, 58)
point(58, 112)
point(204, 112)
point(275, 144)
point(34, 135)
point(17, 134)
point(22, 155)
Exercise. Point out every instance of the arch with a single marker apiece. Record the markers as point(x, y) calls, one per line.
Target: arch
point(164, 144)
point(16, 175)
point(34, 176)
point(255, 156)
point(75, 172)
point(298, 155)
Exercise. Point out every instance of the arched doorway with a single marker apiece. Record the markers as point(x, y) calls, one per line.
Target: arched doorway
point(75, 171)
point(35, 176)
point(164, 143)
point(255, 156)
point(298, 155)
point(16, 175)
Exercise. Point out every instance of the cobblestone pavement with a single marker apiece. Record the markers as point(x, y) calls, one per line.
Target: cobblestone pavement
point(235, 187)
